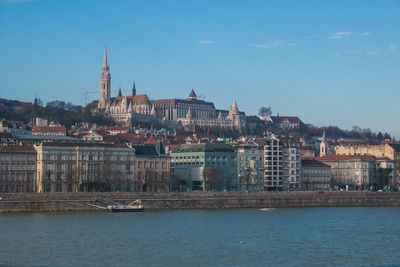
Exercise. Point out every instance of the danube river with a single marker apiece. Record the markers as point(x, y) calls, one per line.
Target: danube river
point(237, 237)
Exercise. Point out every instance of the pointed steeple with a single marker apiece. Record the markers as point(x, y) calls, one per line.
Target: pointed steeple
point(105, 83)
point(323, 136)
point(219, 115)
point(192, 95)
point(133, 88)
point(119, 91)
point(234, 109)
point(105, 57)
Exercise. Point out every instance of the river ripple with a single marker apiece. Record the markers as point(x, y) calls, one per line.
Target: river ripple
point(236, 237)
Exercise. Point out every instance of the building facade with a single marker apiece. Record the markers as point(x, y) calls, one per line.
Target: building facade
point(152, 169)
point(315, 175)
point(190, 161)
point(282, 164)
point(84, 167)
point(17, 169)
point(390, 151)
point(352, 172)
point(250, 167)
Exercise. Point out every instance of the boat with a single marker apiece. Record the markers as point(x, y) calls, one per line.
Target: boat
point(125, 208)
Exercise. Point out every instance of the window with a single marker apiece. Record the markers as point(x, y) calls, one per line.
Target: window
point(47, 188)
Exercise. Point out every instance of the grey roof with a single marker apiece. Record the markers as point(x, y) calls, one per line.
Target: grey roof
point(207, 147)
point(39, 138)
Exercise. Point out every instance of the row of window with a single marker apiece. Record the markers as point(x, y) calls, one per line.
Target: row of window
point(21, 157)
point(151, 164)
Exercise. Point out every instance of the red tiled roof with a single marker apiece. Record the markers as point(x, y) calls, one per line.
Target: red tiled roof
point(48, 129)
point(345, 157)
point(71, 144)
point(312, 162)
point(114, 128)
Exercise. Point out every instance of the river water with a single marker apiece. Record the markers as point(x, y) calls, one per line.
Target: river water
point(235, 237)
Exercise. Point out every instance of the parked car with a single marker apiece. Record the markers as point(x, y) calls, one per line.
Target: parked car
point(3, 198)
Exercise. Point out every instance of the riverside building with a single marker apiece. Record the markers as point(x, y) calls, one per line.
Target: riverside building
point(17, 169)
point(315, 175)
point(250, 167)
point(84, 167)
point(152, 169)
point(189, 161)
point(282, 164)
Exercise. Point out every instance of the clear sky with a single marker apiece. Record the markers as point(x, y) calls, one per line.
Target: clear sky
point(328, 62)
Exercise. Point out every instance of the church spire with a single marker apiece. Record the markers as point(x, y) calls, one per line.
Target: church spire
point(133, 88)
point(105, 57)
point(105, 83)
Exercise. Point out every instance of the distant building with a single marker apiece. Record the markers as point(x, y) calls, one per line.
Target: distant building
point(315, 175)
point(49, 130)
point(189, 113)
point(7, 139)
point(123, 109)
point(17, 169)
point(286, 122)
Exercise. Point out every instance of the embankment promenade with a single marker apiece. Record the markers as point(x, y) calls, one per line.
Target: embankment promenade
point(65, 202)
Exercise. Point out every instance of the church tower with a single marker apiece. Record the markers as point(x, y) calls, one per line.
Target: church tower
point(105, 83)
point(323, 147)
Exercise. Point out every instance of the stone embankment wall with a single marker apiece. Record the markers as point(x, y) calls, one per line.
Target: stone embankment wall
point(47, 202)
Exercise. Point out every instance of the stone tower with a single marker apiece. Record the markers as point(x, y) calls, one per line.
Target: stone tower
point(105, 83)
point(323, 147)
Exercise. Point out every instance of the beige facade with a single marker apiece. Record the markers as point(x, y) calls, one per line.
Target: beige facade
point(74, 167)
point(356, 172)
point(389, 151)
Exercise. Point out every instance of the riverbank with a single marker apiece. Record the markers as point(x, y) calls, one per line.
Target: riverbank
point(64, 202)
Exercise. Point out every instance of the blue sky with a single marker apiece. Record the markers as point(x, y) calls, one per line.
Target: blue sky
point(328, 62)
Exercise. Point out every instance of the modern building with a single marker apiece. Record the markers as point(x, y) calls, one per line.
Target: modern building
point(209, 166)
point(282, 164)
point(17, 169)
point(273, 164)
point(315, 175)
point(84, 167)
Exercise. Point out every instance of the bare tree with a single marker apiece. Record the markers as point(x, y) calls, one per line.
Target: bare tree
point(211, 177)
point(265, 111)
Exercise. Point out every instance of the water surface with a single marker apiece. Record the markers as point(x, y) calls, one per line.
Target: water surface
point(235, 237)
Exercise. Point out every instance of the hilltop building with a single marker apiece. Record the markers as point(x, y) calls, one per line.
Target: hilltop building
point(190, 112)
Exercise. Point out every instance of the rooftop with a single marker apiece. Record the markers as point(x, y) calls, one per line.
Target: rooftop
point(207, 147)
